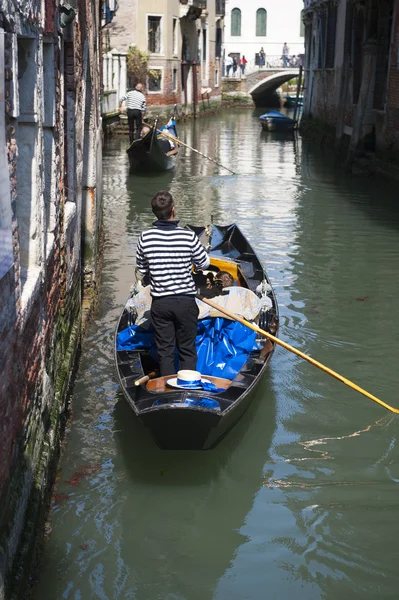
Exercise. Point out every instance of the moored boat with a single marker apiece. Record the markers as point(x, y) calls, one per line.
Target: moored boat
point(290, 101)
point(276, 121)
point(199, 418)
point(153, 152)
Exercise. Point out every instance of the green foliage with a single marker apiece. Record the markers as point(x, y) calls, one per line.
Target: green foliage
point(137, 67)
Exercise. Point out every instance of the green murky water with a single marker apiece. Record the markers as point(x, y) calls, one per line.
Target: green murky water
point(301, 499)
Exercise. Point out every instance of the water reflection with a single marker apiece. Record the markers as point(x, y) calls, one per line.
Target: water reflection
point(300, 498)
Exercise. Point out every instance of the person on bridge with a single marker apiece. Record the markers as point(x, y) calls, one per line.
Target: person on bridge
point(262, 57)
point(234, 66)
point(243, 63)
point(167, 253)
point(286, 54)
point(229, 64)
point(136, 106)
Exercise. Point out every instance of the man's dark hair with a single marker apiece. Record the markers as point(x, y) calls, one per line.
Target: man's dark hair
point(162, 204)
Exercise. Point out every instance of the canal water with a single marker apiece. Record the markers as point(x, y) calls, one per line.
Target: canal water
point(301, 499)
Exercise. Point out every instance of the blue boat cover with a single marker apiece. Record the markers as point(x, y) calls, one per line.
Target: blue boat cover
point(275, 114)
point(222, 345)
point(170, 126)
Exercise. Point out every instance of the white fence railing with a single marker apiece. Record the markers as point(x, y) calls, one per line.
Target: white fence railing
point(109, 102)
point(114, 80)
point(270, 62)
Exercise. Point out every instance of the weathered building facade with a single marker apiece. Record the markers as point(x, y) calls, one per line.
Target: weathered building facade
point(50, 231)
point(352, 76)
point(183, 42)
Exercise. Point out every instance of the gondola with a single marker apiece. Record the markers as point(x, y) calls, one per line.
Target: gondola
point(197, 419)
point(291, 101)
point(152, 152)
point(276, 121)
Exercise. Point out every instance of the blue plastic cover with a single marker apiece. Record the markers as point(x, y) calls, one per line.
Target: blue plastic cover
point(170, 126)
point(222, 345)
point(275, 114)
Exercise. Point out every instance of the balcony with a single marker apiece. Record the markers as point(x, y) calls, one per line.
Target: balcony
point(220, 8)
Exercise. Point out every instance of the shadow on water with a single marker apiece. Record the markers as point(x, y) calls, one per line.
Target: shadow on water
point(254, 429)
point(187, 508)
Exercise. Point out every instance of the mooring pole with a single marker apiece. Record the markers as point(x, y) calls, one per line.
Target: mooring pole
point(298, 89)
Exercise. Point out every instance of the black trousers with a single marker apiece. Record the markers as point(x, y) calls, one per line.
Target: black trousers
point(175, 320)
point(134, 116)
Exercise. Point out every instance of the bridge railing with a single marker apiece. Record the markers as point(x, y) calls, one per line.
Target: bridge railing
point(272, 61)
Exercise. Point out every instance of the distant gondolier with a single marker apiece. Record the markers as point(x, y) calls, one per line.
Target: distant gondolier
point(136, 107)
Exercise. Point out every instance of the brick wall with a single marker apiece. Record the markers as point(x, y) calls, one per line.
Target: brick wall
point(40, 324)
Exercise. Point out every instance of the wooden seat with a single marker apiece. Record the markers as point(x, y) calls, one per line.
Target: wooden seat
point(158, 385)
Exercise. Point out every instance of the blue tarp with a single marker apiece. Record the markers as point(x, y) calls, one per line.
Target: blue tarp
point(222, 345)
point(170, 126)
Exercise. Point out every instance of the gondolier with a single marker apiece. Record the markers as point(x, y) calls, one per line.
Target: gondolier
point(136, 107)
point(167, 253)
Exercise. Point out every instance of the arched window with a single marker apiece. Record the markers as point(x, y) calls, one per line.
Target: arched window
point(261, 22)
point(236, 21)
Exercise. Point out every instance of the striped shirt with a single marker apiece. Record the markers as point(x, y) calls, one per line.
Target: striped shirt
point(168, 252)
point(134, 99)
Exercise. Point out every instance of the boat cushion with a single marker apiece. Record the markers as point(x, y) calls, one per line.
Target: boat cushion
point(239, 301)
point(222, 345)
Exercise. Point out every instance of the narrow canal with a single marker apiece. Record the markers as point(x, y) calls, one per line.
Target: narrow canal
point(301, 499)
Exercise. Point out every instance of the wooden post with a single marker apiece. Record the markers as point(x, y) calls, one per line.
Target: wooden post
point(343, 86)
point(298, 89)
point(195, 92)
point(370, 51)
point(184, 79)
point(341, 104)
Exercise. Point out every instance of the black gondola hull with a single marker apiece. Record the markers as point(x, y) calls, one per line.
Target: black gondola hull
point(148, 153)
point(172, 424)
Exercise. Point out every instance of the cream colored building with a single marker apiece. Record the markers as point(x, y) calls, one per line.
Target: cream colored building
point(184, 45)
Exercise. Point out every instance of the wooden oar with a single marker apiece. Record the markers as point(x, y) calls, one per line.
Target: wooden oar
point(311, 360)
point(145, 378)
point(177, 141)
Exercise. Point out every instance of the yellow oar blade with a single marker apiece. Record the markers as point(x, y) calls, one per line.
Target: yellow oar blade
point(311, 360)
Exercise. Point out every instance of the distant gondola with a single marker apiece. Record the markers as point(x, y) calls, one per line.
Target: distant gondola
point(276, 121)
point(291, 101)
point(199, 419)
point(153, 152)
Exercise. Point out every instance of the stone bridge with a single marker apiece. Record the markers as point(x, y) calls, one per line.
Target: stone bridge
point(260, 85)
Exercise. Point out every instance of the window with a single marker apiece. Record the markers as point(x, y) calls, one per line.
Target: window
point(218, 49)
point(261, 20)
point(49, 160)
point(154, 34)
point(204, 44)
point(236, 21)
point(383, 23)
point(155, 81)
point(331, 31)
point(301, 25)
point(216, 78)
point(6, 241)
point(27, 78)
point(28, 187)
point(174, 80)
point(174, 37)
point(322, 41)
